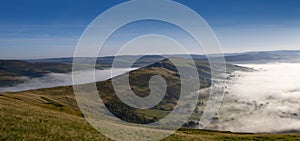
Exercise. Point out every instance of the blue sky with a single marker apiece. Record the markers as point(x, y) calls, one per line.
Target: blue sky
point(43, 28)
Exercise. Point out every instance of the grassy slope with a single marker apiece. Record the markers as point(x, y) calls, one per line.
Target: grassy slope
point(26, 116)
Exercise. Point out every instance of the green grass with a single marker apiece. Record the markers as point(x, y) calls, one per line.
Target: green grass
point(49, 101)
point(23, 121)
point(153, 113)
point(26, 116)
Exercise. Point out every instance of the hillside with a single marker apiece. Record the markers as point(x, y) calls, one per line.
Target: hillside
point(38, 115)
point(52, 114)
point(62, 100)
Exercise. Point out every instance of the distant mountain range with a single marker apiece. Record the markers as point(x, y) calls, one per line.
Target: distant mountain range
point(263, 56)
point(17, 71)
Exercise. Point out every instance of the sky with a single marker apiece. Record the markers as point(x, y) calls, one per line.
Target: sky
point(46, 29)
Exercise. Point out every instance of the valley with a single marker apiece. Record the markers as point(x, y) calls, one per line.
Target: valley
point(45, 113)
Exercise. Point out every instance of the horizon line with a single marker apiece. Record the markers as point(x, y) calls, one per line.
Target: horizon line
point(38, 58)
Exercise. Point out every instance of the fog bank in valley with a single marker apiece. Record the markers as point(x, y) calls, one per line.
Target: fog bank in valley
point(266, 100)
point(65, 79)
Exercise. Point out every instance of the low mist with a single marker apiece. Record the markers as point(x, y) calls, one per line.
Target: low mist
point(266, 100)
point(65, 79)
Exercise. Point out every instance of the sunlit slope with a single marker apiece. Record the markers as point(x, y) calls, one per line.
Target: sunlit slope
point(30, 118)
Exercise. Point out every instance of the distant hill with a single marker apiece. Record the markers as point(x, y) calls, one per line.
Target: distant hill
point(265, 57)
point(104, 62)
point(15, 71)
point(20, 68)
point(253, 57)
point(259, 56)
